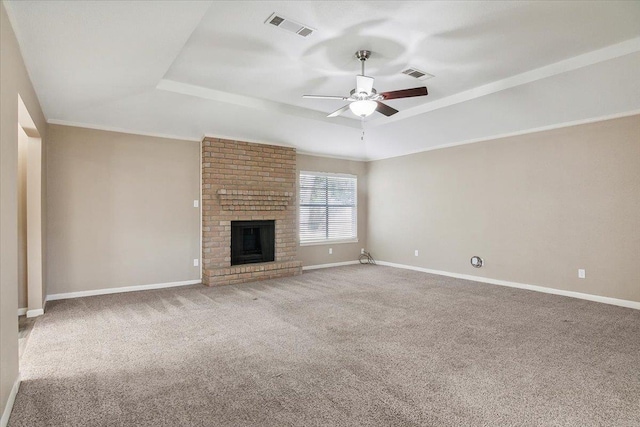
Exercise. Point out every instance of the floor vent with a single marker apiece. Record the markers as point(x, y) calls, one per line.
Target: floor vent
point(420, 75)
point(289, 25)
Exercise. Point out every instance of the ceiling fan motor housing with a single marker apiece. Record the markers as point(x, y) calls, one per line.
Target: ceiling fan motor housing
point(363, 55)
point(362, 95)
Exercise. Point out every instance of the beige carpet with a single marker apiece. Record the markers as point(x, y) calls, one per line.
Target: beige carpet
point(349, 346)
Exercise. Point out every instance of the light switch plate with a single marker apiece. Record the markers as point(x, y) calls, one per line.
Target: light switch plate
point(196, 203)
point(196, 262)
point(582, 273)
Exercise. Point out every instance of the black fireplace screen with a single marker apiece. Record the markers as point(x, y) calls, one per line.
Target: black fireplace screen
point(252, 241)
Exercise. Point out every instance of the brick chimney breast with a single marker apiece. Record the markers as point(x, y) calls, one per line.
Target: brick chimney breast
point(243, 181)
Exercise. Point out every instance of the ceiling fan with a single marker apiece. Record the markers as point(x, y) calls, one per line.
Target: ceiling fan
point(364, 99)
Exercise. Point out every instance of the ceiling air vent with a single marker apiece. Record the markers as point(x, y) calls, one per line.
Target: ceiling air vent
point(289, 25)
point(420, 75)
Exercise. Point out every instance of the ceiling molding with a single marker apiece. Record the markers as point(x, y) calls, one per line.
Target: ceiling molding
point(329, 156)
point(186, 139)
point(243, 139)
point(251, 102)
point(120, 130)
point(518, 133)
point(594, 57)
point(346, 158)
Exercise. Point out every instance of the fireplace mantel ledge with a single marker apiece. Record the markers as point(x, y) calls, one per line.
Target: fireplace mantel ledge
point(234, 199)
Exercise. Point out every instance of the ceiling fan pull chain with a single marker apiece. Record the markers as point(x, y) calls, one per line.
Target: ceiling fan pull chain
point(362, 136)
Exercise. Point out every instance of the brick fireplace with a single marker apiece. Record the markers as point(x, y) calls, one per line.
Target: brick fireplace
point(245, 182)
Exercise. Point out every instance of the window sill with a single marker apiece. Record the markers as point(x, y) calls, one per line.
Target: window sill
point(329, 242)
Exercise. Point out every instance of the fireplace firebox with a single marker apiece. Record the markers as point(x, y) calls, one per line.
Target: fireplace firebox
point(252, 241)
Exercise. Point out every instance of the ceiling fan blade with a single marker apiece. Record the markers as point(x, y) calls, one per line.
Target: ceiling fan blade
point(339, 111)
point(342, 98)
point(405, 93)
point(385, 109)
point(364, 84)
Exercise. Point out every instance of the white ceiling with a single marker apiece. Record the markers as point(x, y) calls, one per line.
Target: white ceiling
point(188, 69)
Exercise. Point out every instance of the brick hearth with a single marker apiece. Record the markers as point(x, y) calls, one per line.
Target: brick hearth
point(242, 181)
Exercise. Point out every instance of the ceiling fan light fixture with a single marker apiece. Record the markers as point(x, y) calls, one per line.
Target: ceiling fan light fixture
point(365, 99)
point(363, 108)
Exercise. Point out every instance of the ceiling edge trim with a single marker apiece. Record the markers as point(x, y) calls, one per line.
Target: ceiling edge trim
point(181, 138)
point(250, 140)
point(310, 153)
point(590, 58)
point(329, 156)
point(250, 102)
point(518, 133)
point(120, 130)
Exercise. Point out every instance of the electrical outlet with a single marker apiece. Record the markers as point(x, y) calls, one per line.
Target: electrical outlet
point(330, 251)
point(415, 252)
point(362, 251)
point(582, 273)
point(196, 203)
point(196, 262)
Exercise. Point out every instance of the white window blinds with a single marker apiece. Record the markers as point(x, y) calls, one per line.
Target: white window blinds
point(328, 207)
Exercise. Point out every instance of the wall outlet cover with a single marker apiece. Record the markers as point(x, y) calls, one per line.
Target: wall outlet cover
point(582, 273)
point(196, 262)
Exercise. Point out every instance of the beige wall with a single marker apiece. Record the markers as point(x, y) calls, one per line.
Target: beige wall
point(120, 210)
point(536, 207)
point(319, 254)
point(35, 227)
point(13, 81)
point(23, 141)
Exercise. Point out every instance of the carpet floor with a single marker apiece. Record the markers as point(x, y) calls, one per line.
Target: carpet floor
point(348, 346)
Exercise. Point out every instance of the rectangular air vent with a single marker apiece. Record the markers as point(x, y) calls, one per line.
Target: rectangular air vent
point(289, 25)
point(420, 75)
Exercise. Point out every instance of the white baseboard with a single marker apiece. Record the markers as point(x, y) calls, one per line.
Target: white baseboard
point(9, 406)
point(580, 295)
point(81, 294)
point(22, 311)
point(35, 313)
point(334, 264)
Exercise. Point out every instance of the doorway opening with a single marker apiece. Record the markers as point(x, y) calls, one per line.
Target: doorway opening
point(30, 222)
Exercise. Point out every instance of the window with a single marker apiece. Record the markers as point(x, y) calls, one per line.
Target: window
point(328, 207)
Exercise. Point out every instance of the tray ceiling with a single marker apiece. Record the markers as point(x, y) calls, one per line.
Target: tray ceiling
point(188, 69)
